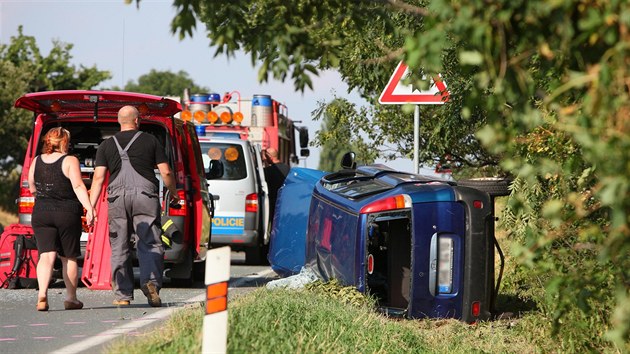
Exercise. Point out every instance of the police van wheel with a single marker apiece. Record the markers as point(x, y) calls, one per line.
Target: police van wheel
point(256, 255)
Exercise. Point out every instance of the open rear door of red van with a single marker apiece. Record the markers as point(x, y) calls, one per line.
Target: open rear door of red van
point(97, 270)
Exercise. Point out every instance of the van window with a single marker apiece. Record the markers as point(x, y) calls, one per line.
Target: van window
point(86, 137)
point(232, 157)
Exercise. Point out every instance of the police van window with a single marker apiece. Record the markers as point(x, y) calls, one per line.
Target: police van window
point(232, 157)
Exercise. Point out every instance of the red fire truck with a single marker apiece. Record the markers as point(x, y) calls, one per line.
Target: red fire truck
point(260, 119)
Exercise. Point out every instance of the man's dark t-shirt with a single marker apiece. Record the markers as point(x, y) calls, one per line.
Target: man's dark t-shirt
point(144, 155)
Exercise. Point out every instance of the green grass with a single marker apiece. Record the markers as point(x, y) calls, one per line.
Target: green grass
point(328, 318)
point(182, 333)
point(322, 321)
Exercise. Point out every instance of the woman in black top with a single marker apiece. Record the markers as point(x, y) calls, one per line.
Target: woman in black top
point(60, 196)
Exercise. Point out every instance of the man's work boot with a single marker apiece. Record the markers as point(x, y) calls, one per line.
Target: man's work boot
point(151, 292)
point(121, 302)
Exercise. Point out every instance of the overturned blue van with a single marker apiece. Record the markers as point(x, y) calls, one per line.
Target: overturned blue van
point(424, 247)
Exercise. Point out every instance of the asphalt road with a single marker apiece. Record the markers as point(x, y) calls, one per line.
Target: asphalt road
point(25, 330)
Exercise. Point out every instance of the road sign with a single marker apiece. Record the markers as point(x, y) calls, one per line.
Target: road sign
point(397, 93)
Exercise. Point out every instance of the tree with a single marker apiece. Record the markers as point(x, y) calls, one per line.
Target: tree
point(539, 89)
point(336, 138)
point(363, 40)
point(24, 69)
point(163, 83)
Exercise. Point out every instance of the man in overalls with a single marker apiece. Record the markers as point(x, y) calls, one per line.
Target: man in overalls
point(134, 205)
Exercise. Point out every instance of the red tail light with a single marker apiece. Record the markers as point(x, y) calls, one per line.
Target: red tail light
point(400, 201)
point(25, 201)
point(370, 264)
point(251, 203)
point(181, 211)
point(476, 308)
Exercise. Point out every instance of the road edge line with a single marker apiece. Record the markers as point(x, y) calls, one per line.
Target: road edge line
point(111, 334)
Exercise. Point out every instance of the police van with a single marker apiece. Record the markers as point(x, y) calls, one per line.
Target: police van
point(241, 212)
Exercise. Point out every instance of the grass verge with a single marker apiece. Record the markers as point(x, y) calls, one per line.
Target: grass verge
point(314, 321)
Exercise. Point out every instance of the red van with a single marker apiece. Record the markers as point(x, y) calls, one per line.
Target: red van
point(91, 117)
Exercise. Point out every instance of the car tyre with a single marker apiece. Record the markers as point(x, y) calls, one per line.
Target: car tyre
point(257, 255)
point(494, 186)
point(187, 267)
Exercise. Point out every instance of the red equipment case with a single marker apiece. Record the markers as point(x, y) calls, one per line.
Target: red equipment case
point(18, 260)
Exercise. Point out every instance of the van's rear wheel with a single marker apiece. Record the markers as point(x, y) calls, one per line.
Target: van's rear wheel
point(182, 274)
point(199, 270)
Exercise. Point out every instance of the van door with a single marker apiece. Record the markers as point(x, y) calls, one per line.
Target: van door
point(201, 199)
point(263, 193)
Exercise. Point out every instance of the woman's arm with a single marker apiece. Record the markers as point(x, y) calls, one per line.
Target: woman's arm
point(72, 170)
point(31, 177)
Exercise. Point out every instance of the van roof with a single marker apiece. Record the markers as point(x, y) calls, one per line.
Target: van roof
point(77, 102)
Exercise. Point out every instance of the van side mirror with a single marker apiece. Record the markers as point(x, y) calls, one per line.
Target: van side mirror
point(348, 161)
point(303, 137)
point(215, 169)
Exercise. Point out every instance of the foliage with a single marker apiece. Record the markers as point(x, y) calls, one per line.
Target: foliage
point(14, 126)
point(163, 83)
point(338, 292)
point(24, 69)
point(541, 86)
point(336, 137)
point(362, 40)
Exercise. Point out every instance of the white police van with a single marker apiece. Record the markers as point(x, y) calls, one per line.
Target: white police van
point(241, 208)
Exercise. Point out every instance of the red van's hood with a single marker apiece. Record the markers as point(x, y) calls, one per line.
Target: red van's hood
point(76, 102)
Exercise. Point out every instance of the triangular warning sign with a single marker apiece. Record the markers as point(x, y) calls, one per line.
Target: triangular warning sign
point(397, 93)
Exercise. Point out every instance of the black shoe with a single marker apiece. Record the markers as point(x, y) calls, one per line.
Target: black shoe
point(151, 292)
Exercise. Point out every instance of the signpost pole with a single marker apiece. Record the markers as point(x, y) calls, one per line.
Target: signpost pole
point(416, 138)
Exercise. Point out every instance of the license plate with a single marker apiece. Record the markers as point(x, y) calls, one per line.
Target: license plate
point(445, 265)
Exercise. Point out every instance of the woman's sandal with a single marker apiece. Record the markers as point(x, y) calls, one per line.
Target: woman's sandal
point(42, 304)
point(73, 305)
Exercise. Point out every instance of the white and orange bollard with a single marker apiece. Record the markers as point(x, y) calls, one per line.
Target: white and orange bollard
point(215, 322)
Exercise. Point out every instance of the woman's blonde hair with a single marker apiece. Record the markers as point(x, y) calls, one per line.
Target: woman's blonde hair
point(56, 140)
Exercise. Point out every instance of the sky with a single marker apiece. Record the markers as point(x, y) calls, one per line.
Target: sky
point(129, 42)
